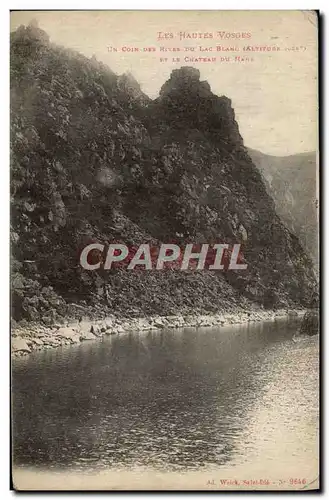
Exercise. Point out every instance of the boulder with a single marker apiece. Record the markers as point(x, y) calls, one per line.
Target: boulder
point(68, 333)
point(37, 341)
point(87, 336)
point(19, 344)
point(158, 323)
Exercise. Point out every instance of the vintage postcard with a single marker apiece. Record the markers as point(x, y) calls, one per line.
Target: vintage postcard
point(164, 250)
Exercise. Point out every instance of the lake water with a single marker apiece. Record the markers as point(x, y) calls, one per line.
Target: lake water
point(175, 400)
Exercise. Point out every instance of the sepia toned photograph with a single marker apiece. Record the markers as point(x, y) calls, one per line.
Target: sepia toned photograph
point(164, 226)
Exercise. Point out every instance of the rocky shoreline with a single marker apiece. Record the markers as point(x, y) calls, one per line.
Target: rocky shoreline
point(36, 337)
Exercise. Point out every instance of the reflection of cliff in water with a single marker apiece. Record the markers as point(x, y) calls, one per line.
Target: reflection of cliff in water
point(178, 399)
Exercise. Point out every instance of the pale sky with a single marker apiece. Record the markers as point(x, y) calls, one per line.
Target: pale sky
point(274, 97)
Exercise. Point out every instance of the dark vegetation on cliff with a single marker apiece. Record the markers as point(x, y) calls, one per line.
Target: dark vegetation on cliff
point(94, 159)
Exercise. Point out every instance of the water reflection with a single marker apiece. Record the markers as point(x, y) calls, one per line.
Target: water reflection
point(172, 399)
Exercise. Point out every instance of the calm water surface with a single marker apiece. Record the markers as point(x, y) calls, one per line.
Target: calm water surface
point(172, 400)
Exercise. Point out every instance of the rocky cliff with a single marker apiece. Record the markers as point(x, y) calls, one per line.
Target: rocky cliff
point(291, 181)
point(93, 159)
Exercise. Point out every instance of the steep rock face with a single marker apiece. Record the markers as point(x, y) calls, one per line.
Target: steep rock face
point(216, 192)
point(93, 160)
point(291, 181)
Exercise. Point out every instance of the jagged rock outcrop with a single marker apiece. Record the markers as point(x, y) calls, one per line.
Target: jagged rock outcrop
point(93, 160)
point(185, 101)
point(128, 84)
